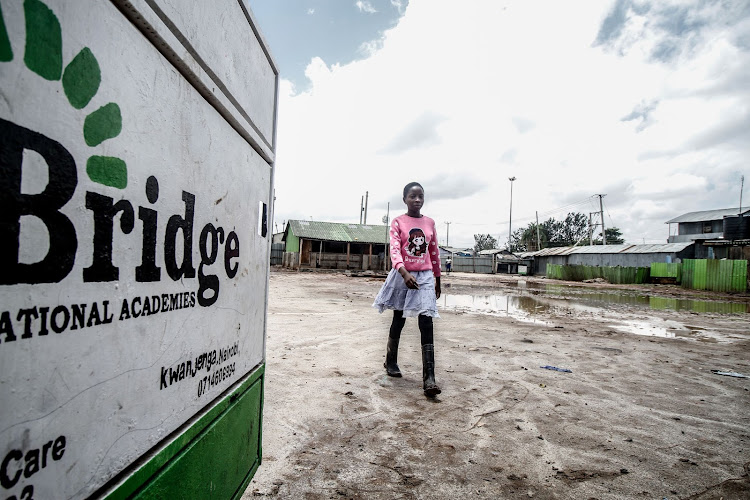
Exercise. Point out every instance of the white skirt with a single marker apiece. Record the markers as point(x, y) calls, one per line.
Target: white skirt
point(395, 295)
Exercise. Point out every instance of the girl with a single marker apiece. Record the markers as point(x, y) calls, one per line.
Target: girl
point(413, 285)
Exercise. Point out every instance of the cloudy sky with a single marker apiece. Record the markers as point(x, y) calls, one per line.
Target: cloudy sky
point(647, 102)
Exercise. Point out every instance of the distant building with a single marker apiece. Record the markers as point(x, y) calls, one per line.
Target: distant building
point(455, 252)
point(610, 255)
point(333, 245)
point(724, 223)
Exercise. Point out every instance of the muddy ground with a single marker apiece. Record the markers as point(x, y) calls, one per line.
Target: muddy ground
point(640, 415)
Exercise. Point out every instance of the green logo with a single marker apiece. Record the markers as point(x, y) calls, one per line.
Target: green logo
point(80, 81)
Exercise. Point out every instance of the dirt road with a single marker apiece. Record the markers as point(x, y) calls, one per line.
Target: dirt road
point(640, 415)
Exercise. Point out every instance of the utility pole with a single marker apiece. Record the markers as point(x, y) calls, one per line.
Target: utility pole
point(538, 239)
point(367, 196)
point(591, 231)
point(361, 209)
point(387, 237)
point(447, 233)
point(742, 186)
point(601, 214)
point(510, 217)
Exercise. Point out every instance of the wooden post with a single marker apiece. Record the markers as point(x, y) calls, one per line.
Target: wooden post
point(301, 246)
point(348, 249)
point(369, 262)
point(320, 254)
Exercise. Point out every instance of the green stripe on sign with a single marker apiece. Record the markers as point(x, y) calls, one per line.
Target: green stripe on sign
point(215, 457)
point(108, 170)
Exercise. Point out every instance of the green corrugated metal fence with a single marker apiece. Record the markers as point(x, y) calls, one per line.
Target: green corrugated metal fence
point(715, 275)
point(664, 270)
point(618, 275)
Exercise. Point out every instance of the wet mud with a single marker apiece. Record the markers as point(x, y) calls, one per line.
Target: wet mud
point(640, 414)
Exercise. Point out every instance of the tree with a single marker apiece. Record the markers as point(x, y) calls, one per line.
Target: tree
point(552, 233)
point(614, 237)
point(525, 239)
point(484, 242)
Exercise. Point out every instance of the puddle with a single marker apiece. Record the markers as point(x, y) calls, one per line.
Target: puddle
point(540, 306)
point(520, 307)
point(629, 297)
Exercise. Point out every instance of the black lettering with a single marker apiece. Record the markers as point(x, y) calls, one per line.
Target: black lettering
point(192, 299)
point(32, 463)
point(132, 307)
point(63, 178)
point(58, 448)
point(45, 450)
point(231, 250)
point(53, 320)
point(155, 304)
point(125, 310)
point(101, 268)
point(208, 282)
point(185, 224)
point(79, 314)
point(146, 307)
point(27, 493)
point(182, 370)
point(174, 301)
point(27, 314)
point(165, 302)
point(148, 271)
point(174, 376)
point(107, 319)
point(163, 378)
point(6, 327)
point(94, 318)
point(6, 481)
point(43, 311)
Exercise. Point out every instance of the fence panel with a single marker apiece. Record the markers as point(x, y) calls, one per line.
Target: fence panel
point(666, 270)
point(715, 275)
point(472, 264)
point(277, 253)
point(618, 274)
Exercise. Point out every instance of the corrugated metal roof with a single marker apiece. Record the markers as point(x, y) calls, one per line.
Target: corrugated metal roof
point(335, 231)
point(706, 215)
point(609, 249)
point(492, 251)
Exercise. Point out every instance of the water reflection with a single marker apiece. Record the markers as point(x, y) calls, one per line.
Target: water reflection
point(629, 297)
point(521, 307)
point(560, 300)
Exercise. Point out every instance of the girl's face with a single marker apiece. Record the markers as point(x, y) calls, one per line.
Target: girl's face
point(419, 240)
point(414, 199)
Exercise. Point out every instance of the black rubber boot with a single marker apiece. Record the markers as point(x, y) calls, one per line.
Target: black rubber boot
point(431, 389)
point(391, 357)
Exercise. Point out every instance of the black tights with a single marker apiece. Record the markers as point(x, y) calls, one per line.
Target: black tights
point(425, 327)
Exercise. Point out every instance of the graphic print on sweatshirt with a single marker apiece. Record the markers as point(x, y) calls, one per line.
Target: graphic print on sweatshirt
point(417, 242)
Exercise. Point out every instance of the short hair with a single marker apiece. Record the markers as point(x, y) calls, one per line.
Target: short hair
point(409, 186)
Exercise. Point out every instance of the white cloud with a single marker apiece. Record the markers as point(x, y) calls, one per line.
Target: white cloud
point(310, 12)
point(365, 6)
point(462, 102)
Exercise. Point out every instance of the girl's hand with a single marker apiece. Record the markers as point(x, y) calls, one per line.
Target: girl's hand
point(409, 280)
point(437, 287)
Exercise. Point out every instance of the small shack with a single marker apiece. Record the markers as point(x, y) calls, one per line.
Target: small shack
point(333, 245)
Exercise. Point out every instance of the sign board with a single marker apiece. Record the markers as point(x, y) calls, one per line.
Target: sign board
point(135, 187)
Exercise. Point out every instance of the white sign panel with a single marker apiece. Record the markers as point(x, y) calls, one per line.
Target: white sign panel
point(132, 270)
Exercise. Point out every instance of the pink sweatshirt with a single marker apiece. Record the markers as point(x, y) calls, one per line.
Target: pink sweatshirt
point(414, 244)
